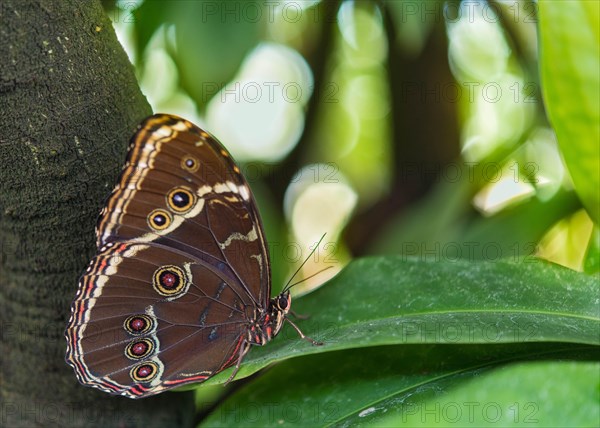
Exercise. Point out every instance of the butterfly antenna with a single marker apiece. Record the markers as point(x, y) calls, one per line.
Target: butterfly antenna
point(288, 286)
point(308, 277)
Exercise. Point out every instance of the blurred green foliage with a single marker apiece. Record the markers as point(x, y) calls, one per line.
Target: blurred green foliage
point(443, 131)
point(416, 104)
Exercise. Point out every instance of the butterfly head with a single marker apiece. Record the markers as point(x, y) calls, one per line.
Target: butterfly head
point(270, 322)
point(279, 306)
point(283, 302)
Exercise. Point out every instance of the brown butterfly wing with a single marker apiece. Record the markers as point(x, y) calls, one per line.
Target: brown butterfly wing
point(182, 267)
point(172, 161)
point(193, 330)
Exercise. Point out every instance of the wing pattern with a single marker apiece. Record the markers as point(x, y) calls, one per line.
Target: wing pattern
point(181, 271)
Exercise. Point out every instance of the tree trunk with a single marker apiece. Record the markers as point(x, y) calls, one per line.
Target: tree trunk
point(69, 102)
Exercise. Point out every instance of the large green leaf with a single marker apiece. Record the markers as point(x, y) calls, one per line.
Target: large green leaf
point(570, 68)
point(541, 394)
point(424, 384)
point(392, 300)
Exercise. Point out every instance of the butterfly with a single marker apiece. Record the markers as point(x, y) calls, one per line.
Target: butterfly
point(180, 287)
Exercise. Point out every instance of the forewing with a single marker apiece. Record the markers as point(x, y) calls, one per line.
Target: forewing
point(180, 188)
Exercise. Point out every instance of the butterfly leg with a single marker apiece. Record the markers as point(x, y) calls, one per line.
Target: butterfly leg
point(302, 335)
point(243, 351)
point(299, 316)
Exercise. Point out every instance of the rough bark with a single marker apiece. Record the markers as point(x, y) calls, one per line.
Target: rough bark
point(69, 102)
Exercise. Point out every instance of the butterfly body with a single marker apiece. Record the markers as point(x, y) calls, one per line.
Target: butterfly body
point(180, 287)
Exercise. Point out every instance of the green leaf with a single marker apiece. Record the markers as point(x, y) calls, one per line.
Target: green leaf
point(570, 69)
point(542, 394)
point(591, 263)
point(406, 382)
point(391, 300)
